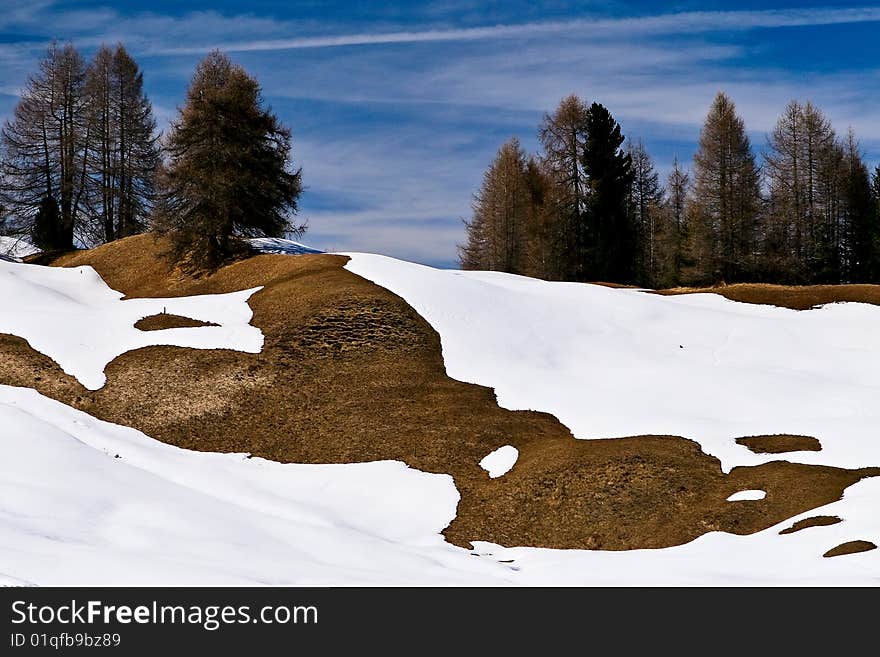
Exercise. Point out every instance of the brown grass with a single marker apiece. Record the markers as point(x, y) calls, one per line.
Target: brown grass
point(796, 297)
point(349, 372)
point(815, 521)
point(168, 321)
point(780, 443)
point(851, 547)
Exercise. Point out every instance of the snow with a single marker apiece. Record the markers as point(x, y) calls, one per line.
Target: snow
point(621, 362)
point(611, 363)
point(500, 461)
point(718, 559)
point(74, 318)
point(15, 248)
point(85, 502)
point(747, 496)
point(281, 246)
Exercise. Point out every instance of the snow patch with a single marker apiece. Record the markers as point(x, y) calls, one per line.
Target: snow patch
point(281, 246)
point(609, 363)
point(72, 513)
point(16, 248)
point(500, 461)
point(74, 318)
point(719, 559)
point(747, 496)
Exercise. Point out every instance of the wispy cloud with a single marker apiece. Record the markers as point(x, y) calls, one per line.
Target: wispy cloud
point(673, 23)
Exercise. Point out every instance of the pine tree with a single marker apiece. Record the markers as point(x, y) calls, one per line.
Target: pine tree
point(47, 224)
point(563, 137)
point(675, 237)
point(646, 200)
point(875, 195)
point(787, 174)
point(823, 158)
point(228, 174)
point(609, 252)
point(126, 152)
point(46, 148)
point(875, 185)
point(497, 231)
point(725, 211)
point(99, 87)
point(802, 155)
point(859, 229)
point(472, 254)
point(543, 259)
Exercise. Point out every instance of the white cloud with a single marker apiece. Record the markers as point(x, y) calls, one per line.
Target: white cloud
point(673, 23)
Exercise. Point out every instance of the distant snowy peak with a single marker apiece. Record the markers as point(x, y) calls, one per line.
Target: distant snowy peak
point(15, 248)
point(281, 246)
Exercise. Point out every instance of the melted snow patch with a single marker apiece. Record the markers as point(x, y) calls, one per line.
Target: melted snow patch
point(500, 461)
point(747, 496)
point(74, 318)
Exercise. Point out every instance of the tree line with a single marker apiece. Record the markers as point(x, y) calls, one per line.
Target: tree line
point(589, 206)
point(82, 162)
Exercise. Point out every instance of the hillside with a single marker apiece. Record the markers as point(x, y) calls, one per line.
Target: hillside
point(795, 297)
point(364, 358)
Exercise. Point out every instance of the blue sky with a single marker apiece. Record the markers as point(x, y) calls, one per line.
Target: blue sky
point(397, 107)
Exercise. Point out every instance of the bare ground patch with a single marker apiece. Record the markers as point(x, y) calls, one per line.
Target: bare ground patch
point(851, 547)
point(780, 443)
point(350, 373)
point(795, 297)
point(815, 521)
point(163, 321)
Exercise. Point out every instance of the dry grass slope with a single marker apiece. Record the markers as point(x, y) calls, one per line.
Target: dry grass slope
point(796, 297)
point(349, 372)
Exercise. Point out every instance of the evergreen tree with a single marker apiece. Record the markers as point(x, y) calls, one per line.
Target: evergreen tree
point(675, 237)
point(609, 252)
point(787, 174)
point(875, 186)
point(802, 156)
point(472, 254)
point(497, 232)
point(543, 258)
point(126, 152)
point(47, 225)
point(646, 200)
point(875, 195)
point(563, 137)
point(228, 172)
point(46, 147)
point(725, 211)
point(860, 234)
